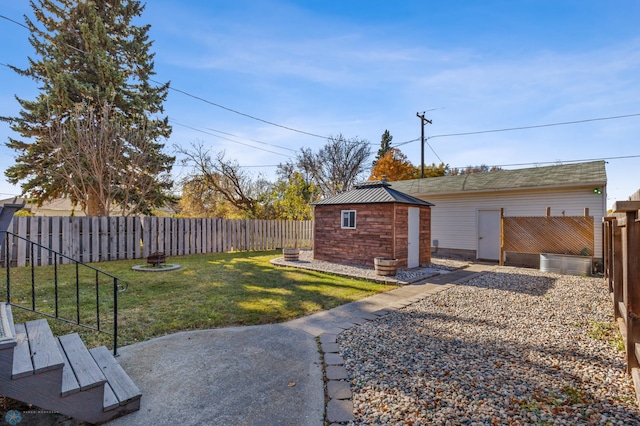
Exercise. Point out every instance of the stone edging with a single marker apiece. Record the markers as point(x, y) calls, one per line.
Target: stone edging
point(279, 261)
point(339, 408)
point(338, 394)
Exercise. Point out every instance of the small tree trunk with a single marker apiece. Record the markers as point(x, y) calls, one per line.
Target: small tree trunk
point(95, 206)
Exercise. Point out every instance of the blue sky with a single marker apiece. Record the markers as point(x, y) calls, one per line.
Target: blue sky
point(361, 67)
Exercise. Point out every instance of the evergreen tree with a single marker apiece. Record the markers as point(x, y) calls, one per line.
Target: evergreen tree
point(385, 145)
point(88, 57)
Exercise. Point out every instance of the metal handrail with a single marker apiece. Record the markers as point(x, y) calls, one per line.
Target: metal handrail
point(119, 286)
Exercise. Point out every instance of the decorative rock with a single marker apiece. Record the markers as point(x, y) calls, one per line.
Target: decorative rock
point(516, 345)
point(402, 276)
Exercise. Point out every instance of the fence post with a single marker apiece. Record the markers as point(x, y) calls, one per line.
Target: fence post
point(631, 277)
point(632, 280)
point(501, 236)
point(606, 252)
point(617, 269)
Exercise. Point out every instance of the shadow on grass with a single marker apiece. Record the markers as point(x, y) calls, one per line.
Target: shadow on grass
point(209, 291)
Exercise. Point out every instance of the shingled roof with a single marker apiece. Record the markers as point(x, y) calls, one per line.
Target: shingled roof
point(373, 192)
point(565, 175)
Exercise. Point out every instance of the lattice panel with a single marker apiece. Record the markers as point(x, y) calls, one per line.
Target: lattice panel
point(563, 234)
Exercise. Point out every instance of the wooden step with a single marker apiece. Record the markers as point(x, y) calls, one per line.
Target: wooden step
point(10, 318)
point(124, 390)
point(45, 354)
point(70, 384)
point(61, 374)
point(7, 328)
point(85, 369)
point(110, 400)
point(22, 365)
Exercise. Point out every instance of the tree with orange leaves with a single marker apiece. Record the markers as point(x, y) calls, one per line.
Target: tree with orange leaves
point(393, 166)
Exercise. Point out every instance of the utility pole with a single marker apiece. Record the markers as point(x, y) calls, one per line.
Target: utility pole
point(423, 122)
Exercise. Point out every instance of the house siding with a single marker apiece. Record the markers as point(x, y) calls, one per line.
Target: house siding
point(455, 217)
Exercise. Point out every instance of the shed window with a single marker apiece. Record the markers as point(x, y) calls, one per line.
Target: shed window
point(349, 219)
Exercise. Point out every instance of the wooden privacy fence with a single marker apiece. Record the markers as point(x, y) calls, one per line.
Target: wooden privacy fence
point(622, 273)
point(97, 239)
point(547, 234)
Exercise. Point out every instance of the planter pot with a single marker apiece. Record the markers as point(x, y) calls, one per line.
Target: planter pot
point(385, 266)
point(566, 264)
point(291, 254)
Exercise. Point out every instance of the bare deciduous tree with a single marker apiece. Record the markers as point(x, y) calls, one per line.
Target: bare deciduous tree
point(106, 165)
point(239, 188)
point(336, 167)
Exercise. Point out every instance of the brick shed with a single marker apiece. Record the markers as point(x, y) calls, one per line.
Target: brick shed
point(373, 220)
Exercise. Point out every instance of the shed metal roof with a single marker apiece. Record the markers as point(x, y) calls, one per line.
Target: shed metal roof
point(565, 175)
point(373, 192)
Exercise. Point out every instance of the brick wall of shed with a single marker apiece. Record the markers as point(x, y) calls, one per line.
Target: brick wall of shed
point(373, 236)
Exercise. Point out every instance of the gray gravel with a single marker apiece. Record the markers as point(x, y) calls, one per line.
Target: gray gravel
point(516, 346)
point(403, 276)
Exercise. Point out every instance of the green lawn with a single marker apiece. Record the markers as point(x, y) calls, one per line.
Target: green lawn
point(209, 291)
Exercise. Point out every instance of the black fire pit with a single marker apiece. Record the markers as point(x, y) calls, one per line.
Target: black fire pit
point(156, 259)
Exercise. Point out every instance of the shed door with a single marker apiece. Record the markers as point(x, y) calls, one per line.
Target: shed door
point(413, 260)
point(488, 234)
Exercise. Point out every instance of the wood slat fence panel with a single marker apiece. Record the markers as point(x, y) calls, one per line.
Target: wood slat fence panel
point(622, 274)
point(556, 234)
point(93, 239)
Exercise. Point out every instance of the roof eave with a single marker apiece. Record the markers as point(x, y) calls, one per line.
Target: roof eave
point(512, 189)
point(428, 204)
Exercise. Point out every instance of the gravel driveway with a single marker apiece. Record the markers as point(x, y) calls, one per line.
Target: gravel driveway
point(517, 346)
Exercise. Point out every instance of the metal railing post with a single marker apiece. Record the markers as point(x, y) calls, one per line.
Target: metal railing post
point(7, 259)
point(115, 316)
point(57, 258)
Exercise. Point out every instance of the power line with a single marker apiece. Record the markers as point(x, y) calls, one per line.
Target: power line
point(195, 96)
point(406, 142)
point(240, 113)
point(564, 123)
point(433, 150)
point(230, 140)
point(253, 140)
point(15, 22)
